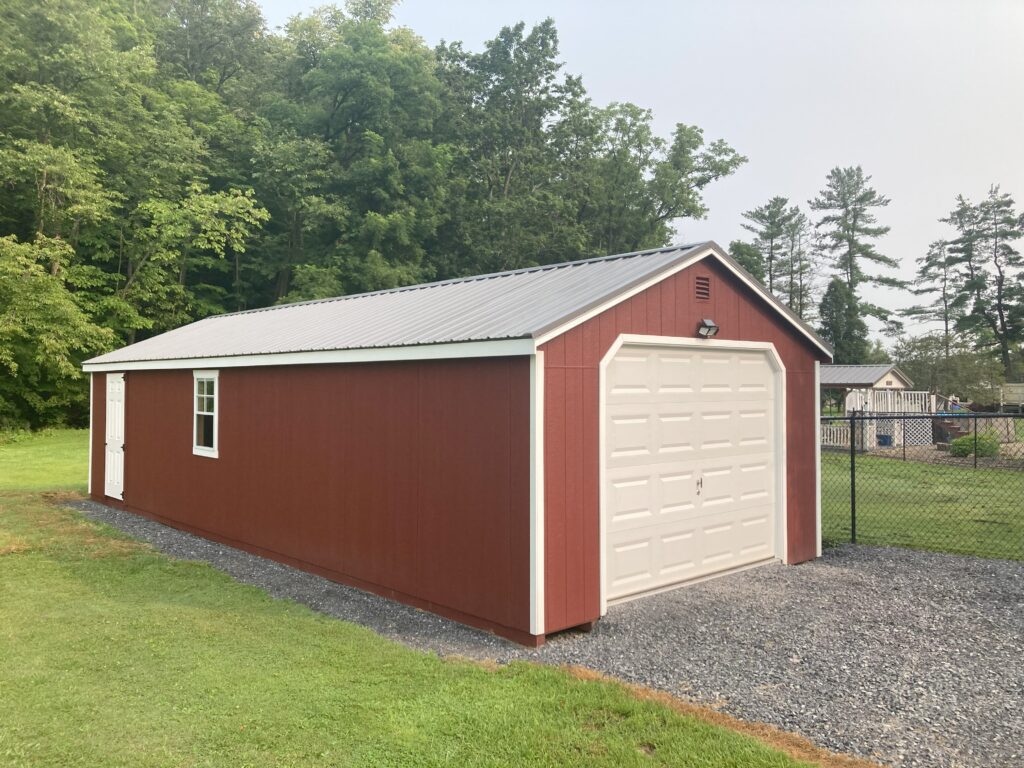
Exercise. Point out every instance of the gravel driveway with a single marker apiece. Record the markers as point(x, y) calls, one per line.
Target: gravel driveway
point(910, 658)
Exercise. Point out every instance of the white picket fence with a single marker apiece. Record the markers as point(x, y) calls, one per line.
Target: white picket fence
point(835, 434)
point(881, 432)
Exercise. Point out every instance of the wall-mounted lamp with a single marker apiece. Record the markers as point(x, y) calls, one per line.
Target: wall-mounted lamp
point(707, 328)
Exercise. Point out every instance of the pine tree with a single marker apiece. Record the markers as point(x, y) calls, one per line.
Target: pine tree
point(849, 226)
point(842, 325)
point(936, 277)
point(992, 273)
point(798, 267)
point(768, 223)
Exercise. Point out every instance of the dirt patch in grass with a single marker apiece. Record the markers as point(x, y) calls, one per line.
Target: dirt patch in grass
point(11, 544)
point(61, 497)
point(794, 745)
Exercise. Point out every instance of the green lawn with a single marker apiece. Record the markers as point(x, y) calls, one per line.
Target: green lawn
point(926, 506)
point(48, 461)
point(112, 654)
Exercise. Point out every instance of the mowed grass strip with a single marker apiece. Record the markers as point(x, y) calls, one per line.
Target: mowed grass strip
point(925, 506)
point(113, 654)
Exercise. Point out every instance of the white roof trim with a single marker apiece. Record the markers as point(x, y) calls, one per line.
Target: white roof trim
point(711, 250)
point(501, 348)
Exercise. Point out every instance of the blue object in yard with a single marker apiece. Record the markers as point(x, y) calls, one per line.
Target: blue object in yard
point(885, 441)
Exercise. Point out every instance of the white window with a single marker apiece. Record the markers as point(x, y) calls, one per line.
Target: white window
point(204, 422)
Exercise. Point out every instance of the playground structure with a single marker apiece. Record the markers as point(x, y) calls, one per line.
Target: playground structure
point(883, 392)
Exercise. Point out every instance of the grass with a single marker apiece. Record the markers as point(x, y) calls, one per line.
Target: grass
point(925, 506)
point(45, 461)
point(113, 654)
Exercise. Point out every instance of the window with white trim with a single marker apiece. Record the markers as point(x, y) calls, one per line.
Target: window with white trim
point(204, 422)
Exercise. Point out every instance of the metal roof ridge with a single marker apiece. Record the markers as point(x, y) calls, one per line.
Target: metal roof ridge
point(459, 280)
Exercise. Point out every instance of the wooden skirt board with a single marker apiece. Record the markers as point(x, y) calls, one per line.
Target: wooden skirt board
point(689, 465)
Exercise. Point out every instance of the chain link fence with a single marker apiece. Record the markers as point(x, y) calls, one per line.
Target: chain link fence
point(950, 482)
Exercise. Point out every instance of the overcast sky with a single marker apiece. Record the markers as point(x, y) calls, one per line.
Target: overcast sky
point(925, 95)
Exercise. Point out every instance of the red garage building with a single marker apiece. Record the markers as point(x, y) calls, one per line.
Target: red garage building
point(514, 451)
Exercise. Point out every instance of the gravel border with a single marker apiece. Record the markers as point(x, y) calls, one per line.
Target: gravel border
point(909, 658)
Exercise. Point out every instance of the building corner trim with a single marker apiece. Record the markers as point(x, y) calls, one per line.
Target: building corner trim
point(537, 493)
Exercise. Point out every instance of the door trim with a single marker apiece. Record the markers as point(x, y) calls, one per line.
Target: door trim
point(781, 516)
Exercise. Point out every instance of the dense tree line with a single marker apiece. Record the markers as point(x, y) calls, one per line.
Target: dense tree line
point(163, 160)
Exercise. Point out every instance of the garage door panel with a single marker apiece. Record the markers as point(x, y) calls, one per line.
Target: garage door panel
point(677, 496)
point(677, 430)
point(658, 555)
point(631, 560)
point(726, 376)
point(639, 497)
point(648, 432)
point(631, 500)
point(675, 374)
point(630, 433)
point(741, 482)
point(631, 374)
point(689, 465)
point(732, 429)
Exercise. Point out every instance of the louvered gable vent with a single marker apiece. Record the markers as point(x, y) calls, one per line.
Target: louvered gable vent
point(703, 288)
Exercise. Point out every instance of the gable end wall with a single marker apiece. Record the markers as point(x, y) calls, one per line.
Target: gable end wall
point(571, 452)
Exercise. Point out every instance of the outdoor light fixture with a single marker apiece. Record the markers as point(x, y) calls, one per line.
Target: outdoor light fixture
point(707, 328)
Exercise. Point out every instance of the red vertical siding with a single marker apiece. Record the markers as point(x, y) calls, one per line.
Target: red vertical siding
point(669, 308)
point(409, 479)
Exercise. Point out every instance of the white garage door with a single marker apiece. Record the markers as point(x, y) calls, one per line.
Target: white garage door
point(689, 464)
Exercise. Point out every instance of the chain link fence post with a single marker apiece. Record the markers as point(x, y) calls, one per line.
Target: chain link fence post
point(853, 478)
point(975, 442)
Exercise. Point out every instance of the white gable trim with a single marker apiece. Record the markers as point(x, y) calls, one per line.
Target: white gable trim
point(679, 267)
point(501, 348)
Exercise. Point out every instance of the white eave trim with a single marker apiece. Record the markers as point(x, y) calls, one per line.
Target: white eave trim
point(699, 255)
point(500, 348)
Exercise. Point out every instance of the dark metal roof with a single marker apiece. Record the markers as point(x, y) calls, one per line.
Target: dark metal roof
point(858, 375)
point(522, 303)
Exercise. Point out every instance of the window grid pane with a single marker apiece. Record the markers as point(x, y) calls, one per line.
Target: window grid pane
point(205, 396)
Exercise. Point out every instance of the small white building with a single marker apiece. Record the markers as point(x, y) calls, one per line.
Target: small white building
point(880, 388)
point(877, 389)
